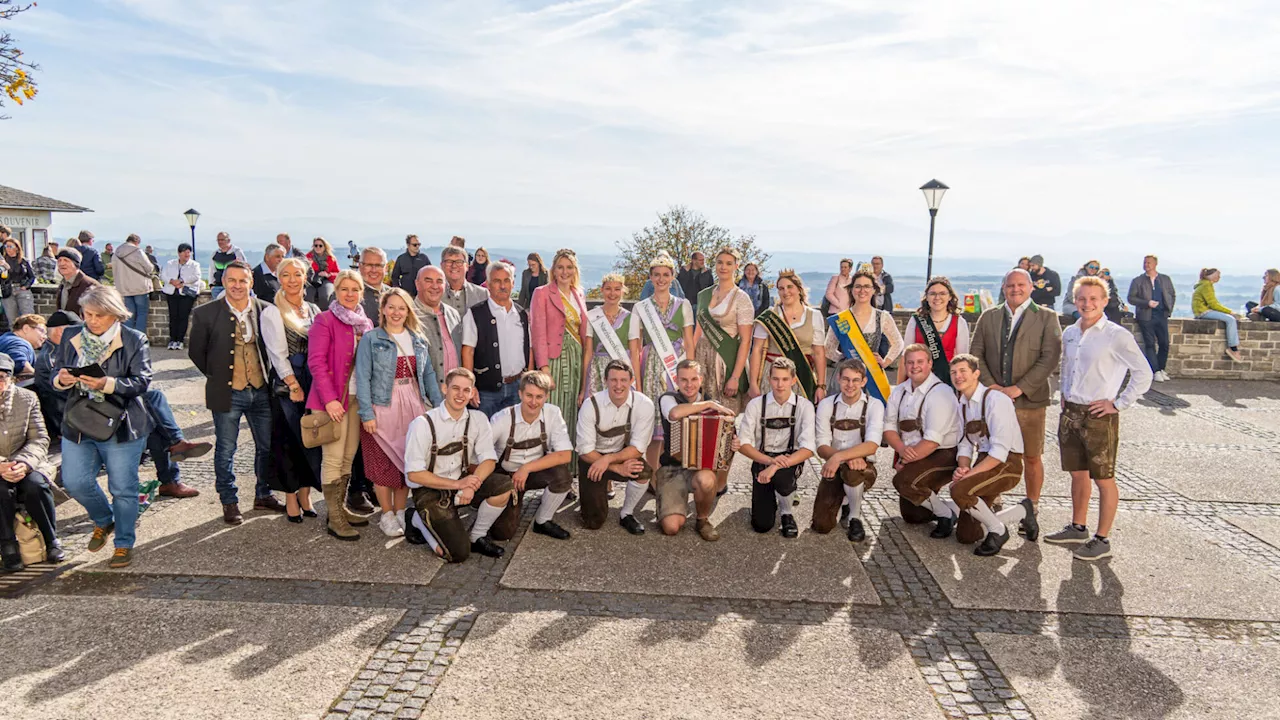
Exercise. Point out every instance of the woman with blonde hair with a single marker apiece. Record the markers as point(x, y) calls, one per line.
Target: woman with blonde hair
point(793, 329)
point(1268, 308)
point(661, 329)
point(724, 318)
point(607, 335)
point(1205, 306)
point(331, 359)
point(558, 332)
point(324, 269)
point(294, 468)
point(395, 383)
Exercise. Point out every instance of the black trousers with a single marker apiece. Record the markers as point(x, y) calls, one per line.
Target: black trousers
point(179, 315)
point(1155, 340)
point(764, 504)
point(34, 493)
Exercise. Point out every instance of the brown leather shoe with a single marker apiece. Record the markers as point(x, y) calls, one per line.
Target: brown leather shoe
point(269, 503)
point(707, 531)
point(178, 490)
point(231, 514)
point(188, 450)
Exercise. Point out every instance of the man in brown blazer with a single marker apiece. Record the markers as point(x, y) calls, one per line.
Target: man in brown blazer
point(1018, 345)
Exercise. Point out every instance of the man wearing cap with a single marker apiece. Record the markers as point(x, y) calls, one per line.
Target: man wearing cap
point(91, 262)
point(52, 402)
point(74, 282)
point(1045, 283)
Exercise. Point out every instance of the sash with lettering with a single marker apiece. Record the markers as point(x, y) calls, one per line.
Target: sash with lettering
point(608, 338)
point(725, 345)
point(852, 343)
point(933, 340)
point(658, 337)
point(785, 339)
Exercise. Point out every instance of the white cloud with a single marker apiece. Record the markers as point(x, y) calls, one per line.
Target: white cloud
point(761, 114)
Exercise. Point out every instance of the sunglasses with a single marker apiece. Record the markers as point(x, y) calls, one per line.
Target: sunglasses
point(1093, 267)
point(414, 244)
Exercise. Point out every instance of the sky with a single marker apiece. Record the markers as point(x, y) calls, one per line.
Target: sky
point(1066, 128)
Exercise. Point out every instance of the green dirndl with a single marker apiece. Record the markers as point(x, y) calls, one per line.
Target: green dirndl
point(566, 371)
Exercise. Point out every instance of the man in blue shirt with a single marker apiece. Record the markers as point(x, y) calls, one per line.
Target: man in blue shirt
point(90, 261)
point(28, 335)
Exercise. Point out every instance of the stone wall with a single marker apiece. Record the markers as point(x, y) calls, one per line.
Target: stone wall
point(1196, 347)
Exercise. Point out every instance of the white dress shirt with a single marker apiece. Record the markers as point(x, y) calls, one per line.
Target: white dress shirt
point(1017, 313)
point(417, 449)
point(813, 317)
point(557, 434)
point(510, 337)
point(244, 316)
point(1094, 363)
point(612, 416)
point(274, 337)
point(667, 403)
point(1003, 432)
point(775, 440)
point(872, 431)
point(940, 419)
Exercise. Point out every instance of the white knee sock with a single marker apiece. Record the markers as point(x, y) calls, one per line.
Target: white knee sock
point(940, 507)
point(1012, 514)
point(485, 517)
point(983, 514)
point(550, 504)
point(422, 528)
point(853, 498)
point(635, 493)
point(784, 504)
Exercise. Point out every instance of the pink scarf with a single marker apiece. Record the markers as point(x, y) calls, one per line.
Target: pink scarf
point(355, 318)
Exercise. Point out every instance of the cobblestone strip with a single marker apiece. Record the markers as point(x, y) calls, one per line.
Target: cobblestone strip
point(1243, 427)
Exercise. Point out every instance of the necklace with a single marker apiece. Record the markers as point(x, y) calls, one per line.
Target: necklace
point(616, 312)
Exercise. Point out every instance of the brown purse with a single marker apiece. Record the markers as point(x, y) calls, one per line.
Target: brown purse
point(317, 427)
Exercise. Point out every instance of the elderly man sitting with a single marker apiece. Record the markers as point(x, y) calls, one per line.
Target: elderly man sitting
point(24, 470)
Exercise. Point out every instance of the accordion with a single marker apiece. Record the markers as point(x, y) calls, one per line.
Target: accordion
point(703, 442)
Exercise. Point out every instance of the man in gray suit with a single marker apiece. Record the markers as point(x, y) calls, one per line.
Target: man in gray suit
point(441, 324)
point(458, 293)
point(1152, 296)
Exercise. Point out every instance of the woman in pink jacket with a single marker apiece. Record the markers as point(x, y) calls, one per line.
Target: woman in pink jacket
point(558, 329)
point(331, 356)
point(837, 295)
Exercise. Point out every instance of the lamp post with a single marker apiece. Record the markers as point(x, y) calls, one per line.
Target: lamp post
point(192, 217)
point(933, 192)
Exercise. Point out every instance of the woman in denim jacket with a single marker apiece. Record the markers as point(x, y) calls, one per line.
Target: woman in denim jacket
point(395, 383)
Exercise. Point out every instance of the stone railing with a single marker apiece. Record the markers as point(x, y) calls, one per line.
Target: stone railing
point(1196, 347)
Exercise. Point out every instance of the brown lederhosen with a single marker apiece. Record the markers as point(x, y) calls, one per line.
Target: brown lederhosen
point(1087, 442)
point(555, 479)
point(764, 503)
point(915, 481)
point(594, 503)
point(986, 485)
point(830, 496)
point(436, 506)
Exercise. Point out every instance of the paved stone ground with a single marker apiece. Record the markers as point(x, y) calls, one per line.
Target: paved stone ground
point(270, 620)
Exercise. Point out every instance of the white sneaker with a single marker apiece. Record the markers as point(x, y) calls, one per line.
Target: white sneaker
point(389, 526)
point(399, 515)
point(1160, 376)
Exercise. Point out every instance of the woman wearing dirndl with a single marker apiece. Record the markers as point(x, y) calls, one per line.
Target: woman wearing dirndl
point(799, 325)
point(605, 323)
point(395, 383)
point(557, 321)
point(874, 324)
point(724, 318)
point(662, 324)
point(938, 326)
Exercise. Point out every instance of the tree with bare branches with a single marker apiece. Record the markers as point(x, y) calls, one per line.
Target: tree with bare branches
point(15, 72)
point(680, 232)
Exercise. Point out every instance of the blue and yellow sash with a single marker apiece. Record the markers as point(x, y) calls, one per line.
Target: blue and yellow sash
point(852, 343)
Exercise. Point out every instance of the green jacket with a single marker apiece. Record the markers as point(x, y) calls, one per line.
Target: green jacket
point(1203, 299)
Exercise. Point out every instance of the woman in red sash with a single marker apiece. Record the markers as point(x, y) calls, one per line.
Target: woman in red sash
point(939, 326)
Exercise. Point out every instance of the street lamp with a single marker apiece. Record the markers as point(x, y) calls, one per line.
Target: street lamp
point(933, 192)
point(192, 217)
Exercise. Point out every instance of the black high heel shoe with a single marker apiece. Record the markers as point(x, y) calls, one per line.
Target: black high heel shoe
point(294, 518)
point(310, 513)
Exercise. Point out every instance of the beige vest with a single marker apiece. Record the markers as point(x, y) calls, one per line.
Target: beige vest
point(247, 370)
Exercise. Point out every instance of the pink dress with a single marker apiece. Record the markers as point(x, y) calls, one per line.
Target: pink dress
point(384, 450)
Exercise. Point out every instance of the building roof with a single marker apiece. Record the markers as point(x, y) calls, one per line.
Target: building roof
point(15, 199)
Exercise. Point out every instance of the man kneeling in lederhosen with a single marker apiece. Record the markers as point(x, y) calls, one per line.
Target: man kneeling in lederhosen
point(534, 450)
point(614, 429)
point(850, 425)
point(449, 461)
point(922, 425)
point(777, 433)
point(990, 458)
point(673, 483)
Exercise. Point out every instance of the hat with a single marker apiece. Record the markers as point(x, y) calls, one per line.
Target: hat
point(6, 363)
point(63, 318)
point(71, 254)
point(1037, 260)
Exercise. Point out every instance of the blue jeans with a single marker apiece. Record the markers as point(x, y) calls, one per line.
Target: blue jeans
point(162, 415)
point(255, 407)
point(491, 401)
point(166, 469)
point(80, 463)
point(1233, 330)
point(139, 305)
point(1155, 339)
point(215, 292)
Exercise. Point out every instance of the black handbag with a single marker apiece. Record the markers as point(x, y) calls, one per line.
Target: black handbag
point(95, 420)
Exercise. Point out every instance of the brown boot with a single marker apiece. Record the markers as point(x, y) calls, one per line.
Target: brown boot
point(337, 524)
point(353, 518)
